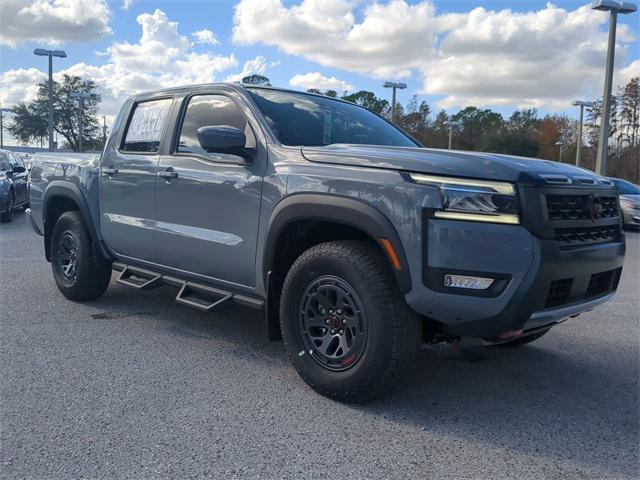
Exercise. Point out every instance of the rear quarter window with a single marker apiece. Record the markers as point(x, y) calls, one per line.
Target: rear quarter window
point(145, 125)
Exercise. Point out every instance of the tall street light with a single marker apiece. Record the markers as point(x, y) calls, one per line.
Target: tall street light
point(581, 104)
point(394, 86)
point(614, 8)
point(80, 96)
point(2, 111)
point(451, 124)
point(50, 53)
point(104, 130)
point(560, 145)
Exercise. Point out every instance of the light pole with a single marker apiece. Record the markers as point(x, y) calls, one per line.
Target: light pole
point(104, 130)
point(3, 110)
point(614, 8)
point(394, 86)
point(560, 144)
point(581, 104)
point(81, 96)
point(50, 53)
point(451, 124)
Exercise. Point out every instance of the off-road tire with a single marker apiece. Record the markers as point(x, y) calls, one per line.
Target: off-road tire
point(91, 275)
point(393, 330)
point(518, 342)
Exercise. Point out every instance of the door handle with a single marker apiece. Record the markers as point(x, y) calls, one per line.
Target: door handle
point(109, 172)
point(168, 173)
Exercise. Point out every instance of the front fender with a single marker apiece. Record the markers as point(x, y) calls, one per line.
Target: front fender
point(339, 209)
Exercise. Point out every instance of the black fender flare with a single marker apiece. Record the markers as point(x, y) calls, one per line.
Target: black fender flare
point(69, 190)
point(345, 210)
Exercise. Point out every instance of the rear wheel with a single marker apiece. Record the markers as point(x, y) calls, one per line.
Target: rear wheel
point(78, 274)
point(7, 216)
point(345, 325)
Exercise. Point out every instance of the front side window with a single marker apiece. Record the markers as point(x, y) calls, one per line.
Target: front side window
point(211, 111)
point(300, 119)
point(145, 126)
point(16, 160)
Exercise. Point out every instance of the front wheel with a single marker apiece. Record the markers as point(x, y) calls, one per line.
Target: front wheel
point(345, 325)
point(79, 275)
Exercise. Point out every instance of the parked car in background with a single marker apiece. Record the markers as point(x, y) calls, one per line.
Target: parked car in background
point(14, 189)
point(629, 202)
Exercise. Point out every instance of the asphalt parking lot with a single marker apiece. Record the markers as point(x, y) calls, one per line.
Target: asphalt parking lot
point(136, 386)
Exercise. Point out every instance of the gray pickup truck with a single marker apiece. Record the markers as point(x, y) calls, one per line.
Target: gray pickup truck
point(356, 242)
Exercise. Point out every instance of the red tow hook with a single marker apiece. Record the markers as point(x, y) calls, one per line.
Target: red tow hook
point(510, 335)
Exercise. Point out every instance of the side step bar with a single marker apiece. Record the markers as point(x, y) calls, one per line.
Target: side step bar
point(203, 298)
point(139, 278)
point(191, 294)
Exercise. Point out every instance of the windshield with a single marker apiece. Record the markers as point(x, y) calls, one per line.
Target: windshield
point(300, 119)
point(626, 188)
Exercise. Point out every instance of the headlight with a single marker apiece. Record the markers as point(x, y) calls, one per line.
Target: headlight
point(475, 200)
point(629, 204)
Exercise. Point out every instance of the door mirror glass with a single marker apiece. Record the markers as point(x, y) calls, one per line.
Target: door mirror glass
point(223, 139)
point(19, 169)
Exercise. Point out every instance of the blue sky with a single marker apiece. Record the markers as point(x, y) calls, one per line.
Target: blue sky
point(497, 54)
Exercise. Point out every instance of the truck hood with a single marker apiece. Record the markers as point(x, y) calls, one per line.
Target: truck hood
point(487, 166)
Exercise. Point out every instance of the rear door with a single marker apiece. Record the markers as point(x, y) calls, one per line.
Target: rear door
point(128, 179)
point(208, 212)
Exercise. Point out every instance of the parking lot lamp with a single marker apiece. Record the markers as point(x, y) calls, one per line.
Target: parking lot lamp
point(394, 86)
point(614, 8)
point(50, 53)
point(451, 124)
point(581, 104)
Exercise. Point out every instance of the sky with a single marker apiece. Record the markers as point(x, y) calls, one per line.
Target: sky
point(497, 54)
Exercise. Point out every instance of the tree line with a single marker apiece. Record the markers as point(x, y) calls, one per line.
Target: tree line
point(525, 132)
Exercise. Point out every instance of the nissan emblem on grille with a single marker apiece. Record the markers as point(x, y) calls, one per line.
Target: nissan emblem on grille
point(593, 207)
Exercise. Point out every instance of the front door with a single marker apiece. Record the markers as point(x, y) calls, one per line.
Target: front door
point(128, 180)
point(20, 183)
point(208, 204)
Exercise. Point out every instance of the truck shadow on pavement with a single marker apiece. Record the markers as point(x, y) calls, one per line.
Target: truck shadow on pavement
point(563, 398)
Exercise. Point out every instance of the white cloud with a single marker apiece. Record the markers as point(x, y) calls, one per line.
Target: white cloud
point(626, 74)
point(126, 4)
point(540, 58)
point(320, 82)
point(161, 58)
point(53, 21)
point(257, 65)
point(205, 37)
point(19, 85)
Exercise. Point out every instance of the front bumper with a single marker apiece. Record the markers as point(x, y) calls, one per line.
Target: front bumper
point(533, 267)
point(631, 217)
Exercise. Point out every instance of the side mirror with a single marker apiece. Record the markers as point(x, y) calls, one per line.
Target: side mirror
point(19, 169)
point(224, 139)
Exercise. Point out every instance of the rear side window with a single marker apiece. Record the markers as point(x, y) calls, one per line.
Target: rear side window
point(145, 126)
point(209, 111)
point(4, 162)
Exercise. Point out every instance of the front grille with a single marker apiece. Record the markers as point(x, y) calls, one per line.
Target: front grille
point(574, 207)
point(559, 292)
point(587, 235)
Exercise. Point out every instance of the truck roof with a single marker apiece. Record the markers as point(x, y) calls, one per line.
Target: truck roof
point(230, 85)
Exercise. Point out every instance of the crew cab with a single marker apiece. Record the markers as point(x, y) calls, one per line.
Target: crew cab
point(356, 242)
